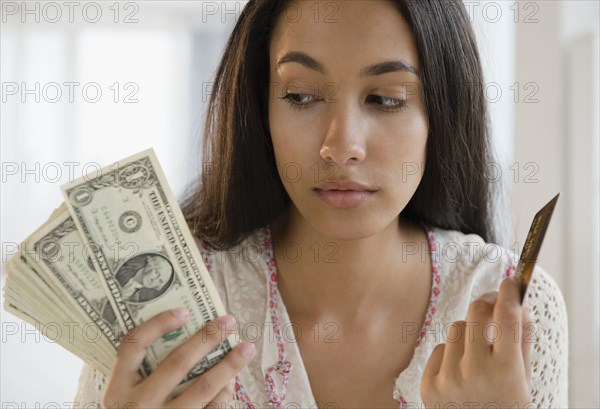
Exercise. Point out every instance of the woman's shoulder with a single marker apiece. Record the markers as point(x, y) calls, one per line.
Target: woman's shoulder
point(247, 253)
point(468, 260)
point(239, 273)
point(466, 250)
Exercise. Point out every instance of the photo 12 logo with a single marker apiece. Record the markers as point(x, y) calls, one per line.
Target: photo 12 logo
point(70, 92)
point(494, 11)
point(69, 12)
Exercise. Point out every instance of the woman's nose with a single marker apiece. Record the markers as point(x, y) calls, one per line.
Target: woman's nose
point(345, 137)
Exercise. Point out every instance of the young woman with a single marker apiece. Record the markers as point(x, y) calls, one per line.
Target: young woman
point(347, 222)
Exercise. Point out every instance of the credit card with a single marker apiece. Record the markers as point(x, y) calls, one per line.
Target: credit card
point(532, 245)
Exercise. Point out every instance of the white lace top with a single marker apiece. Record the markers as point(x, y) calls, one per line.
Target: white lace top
point(463, 268)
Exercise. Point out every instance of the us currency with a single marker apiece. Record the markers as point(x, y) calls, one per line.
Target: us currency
point(62, 253)
point(52, 285)
point(144, 253)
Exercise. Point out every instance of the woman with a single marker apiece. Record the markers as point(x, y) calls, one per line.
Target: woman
point(347, 223)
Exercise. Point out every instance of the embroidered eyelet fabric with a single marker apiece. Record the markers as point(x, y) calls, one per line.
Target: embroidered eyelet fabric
point(463, 268)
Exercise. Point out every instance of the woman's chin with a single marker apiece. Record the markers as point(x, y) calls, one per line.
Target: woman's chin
point(336, 224)
point(348, 230)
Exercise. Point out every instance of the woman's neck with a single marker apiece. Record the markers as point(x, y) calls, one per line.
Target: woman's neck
point(323, 278)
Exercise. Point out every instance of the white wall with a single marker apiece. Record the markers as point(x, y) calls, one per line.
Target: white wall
point(559, 136)
point(580, 44)
point(496, 37)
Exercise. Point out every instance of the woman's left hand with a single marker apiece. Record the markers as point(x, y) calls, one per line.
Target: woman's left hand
point(476, 368)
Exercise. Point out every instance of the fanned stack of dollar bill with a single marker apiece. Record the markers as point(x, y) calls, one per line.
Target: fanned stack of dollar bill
point(114, 254)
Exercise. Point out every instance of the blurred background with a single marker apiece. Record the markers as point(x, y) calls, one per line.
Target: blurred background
point(88, 83)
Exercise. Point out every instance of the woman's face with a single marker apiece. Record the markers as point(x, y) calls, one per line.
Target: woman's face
point(333, 120)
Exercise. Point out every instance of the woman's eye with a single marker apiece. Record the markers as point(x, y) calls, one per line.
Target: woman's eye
point(303, 101)
point(298, 101)
point(389, 104)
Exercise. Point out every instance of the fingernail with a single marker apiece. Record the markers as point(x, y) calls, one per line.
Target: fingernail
point(227, 322)
point(181, 312)
point(247, 350)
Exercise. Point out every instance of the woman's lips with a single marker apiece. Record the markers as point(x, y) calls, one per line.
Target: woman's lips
point(344, 198)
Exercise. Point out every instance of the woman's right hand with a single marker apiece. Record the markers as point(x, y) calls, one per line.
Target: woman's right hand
point(128, 387)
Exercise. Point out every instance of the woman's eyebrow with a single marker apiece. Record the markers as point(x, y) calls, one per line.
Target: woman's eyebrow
point(376, 69)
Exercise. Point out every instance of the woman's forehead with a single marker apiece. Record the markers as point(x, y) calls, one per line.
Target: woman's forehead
point(355, 34)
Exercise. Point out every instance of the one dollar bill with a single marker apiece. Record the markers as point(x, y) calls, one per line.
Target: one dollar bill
point(144, 253)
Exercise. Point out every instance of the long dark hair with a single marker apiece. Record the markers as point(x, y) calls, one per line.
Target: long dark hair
point(240, 189)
